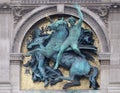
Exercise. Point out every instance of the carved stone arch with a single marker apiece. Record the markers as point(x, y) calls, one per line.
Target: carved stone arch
point(32, 17)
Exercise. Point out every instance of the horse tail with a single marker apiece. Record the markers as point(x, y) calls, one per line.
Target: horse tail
point(92, 77)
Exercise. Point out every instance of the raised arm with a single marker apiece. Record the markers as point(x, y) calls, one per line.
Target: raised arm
point(50, 20)
point(80, 15)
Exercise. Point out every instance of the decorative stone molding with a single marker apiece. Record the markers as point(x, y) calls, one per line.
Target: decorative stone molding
point(16, 57)
point(115, 5)
point(102, 11)
point(58, 1)
point(5, 8)
point(5, 87)
point(99, 8)
point(104, 56)
point(19, 12)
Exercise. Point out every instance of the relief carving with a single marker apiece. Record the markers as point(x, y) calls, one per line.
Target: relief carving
point(102, 11)
point(5, 8)
point(19, 12)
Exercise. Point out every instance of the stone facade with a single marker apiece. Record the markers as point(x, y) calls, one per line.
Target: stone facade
point(18, 16)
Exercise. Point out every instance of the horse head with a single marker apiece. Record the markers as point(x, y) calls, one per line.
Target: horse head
point(55, 25)
point(52, 26)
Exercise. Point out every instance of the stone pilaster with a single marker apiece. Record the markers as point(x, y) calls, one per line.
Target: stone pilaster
point(104, 59)
point(114, 28)
point(5, 29)
point(15, 63)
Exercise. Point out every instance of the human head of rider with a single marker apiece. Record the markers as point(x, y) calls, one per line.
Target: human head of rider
point(71, 20)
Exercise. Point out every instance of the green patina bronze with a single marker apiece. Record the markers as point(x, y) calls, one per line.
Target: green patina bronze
point(72, 39)
point(68, 47)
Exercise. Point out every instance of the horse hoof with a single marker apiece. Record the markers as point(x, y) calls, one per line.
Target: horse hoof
point(66, 85)
point(52, 83)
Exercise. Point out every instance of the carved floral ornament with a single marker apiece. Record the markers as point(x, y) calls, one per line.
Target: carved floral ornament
point(21, 11)
point(18, 12)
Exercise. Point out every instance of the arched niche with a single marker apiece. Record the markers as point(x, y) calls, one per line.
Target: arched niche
point(39, 13)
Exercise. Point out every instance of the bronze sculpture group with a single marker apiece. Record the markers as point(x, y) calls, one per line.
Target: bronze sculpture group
point(70, 47)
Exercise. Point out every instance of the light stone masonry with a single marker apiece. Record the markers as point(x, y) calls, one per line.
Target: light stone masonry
point(14, 24)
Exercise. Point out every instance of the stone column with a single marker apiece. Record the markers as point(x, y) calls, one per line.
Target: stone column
point(114, 28)
point(5, 23)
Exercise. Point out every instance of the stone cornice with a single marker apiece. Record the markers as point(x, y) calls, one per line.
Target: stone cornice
point(25, 6)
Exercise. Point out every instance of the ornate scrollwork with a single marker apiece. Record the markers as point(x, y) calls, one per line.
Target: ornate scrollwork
point(19, 12)
point(102, 11)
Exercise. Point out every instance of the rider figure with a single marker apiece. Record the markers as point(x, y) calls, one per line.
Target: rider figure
point(72, 39)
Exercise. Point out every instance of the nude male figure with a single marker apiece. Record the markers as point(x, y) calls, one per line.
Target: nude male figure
point(72, 39)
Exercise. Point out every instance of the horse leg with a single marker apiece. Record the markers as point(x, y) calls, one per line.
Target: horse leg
point(59, 56)
point(92, 78)
point(75, 82)
point(41, 61)
point(70, 78)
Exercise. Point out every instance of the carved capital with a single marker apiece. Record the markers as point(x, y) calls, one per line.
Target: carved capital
point(104, 56)
point(16, 57)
